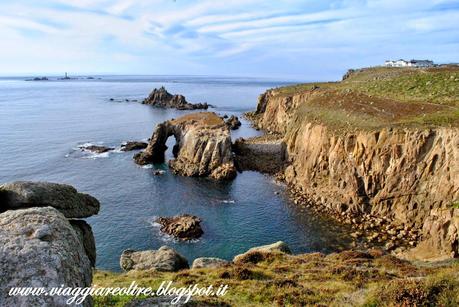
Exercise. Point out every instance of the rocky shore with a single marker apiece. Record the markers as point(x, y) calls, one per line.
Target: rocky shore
point(162, 98)
point(42, 241)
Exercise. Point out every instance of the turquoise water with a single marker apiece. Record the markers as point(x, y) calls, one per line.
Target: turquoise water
point(42, 124)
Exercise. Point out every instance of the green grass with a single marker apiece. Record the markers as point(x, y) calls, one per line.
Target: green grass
point(437, 86)
point(348, 278)
point(380, 97)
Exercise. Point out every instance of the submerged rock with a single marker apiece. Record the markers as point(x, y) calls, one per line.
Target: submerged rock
point(209, 262)
point(184, 227)
point(134, 145)
point(65, 198)
point(233, 122)
point(162, 98)
point(202, 149)
point(96, 148)
point(164, 259)
point(40, 248)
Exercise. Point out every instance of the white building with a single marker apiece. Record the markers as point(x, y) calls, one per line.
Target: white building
point(411, 63)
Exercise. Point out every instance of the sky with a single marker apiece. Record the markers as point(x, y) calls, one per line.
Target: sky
point(291, 39)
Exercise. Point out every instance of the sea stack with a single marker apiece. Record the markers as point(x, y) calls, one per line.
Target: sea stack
point(202, 149)
point(162, 98)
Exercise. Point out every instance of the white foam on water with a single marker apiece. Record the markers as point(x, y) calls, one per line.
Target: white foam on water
point(148, 166)
point(96, 155)
point(230, 201)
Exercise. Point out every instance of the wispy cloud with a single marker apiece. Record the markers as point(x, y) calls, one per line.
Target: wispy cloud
point(314, 39)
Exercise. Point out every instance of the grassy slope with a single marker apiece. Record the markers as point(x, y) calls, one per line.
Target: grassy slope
point(345, 279)
point(376, 97)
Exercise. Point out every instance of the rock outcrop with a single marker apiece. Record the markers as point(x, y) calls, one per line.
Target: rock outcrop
point(183, 227)
point(263, 154)
point(133, 145)
point(233, 122)
point(407, 176)
point(202, 149)
point(164, 259)
point(39, 246)
point(254, 252)
point(96, 148)
point(65, 198)
point(162, 98)
point(209, 262)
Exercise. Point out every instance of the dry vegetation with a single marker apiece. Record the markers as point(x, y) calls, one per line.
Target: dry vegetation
point(349, 278)
point(202, 118)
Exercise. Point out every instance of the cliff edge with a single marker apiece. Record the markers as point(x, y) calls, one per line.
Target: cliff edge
point(383, 144)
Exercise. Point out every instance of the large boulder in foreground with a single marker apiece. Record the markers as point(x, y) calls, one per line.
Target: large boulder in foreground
point(277, 247)
point(164, 259)
point(40, 248)
point(202, 149)
point(183, 227)
point(162, 98)
point(209, 262)
point(65, 198)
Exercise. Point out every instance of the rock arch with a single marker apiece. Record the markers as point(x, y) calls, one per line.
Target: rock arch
point(202, 149)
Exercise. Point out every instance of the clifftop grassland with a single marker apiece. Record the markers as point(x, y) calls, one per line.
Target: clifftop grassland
point(348, 278)
point(382, 96)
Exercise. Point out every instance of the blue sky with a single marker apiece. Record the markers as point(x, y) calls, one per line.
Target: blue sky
point(309, 40)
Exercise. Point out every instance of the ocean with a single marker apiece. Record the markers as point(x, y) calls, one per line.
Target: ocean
point(43, 123)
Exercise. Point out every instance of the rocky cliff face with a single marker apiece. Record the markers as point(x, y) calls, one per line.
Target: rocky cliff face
point(39, 246)
point(407, 175)
point(203, 146)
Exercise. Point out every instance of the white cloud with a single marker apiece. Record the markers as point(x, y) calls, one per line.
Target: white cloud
point(124, 35)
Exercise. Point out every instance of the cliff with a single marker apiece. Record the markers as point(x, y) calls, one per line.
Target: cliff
point(202, 149)
point(359, 147)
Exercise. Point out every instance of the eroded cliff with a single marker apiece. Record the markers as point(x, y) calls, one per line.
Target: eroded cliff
point(202, 149)
point(358, 154)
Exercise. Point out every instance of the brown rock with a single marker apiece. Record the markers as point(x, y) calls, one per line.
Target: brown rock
point(184, 227)
point(129, 146)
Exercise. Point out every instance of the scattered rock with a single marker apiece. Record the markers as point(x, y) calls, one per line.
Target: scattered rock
point(209, 262)
point(164, 259)
point(96, 148)
point(38, 79)
point(40, 248)
point(159, 172)
point(65, 198)
point(162, 98)
point(134, 145)
point(184, 227)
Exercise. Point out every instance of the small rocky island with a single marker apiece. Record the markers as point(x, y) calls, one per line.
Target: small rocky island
point(184, 227)
point(162, 98)
point(202, 149)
